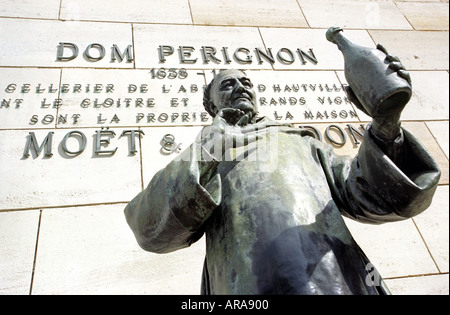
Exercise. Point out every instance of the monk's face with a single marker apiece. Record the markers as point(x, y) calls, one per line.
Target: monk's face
point(233, 89)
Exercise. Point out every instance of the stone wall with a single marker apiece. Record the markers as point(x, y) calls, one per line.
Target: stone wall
point(105, 82)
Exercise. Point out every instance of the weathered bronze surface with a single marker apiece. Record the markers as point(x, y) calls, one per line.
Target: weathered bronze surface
point(270, 197)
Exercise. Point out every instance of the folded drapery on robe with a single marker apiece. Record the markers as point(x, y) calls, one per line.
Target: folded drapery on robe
point(272, 210)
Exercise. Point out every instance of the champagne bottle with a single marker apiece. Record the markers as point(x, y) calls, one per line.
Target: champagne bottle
point(379, 89)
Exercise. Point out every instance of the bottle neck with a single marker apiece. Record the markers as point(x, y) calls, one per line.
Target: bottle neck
point(341, 41)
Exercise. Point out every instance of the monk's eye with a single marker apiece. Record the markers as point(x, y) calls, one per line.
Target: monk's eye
point(226, 85)
point(247, 84)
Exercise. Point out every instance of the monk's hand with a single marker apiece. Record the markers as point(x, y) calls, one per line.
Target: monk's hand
point(384, 127)
point(395, 64)
point(385, 123)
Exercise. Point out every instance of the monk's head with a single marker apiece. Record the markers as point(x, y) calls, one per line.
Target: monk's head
point(230, 89)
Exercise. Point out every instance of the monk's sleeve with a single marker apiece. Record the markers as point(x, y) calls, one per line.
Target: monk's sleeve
point(169, 213)
point(374, 187)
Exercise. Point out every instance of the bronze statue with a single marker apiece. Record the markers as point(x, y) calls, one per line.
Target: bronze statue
point(270, 197)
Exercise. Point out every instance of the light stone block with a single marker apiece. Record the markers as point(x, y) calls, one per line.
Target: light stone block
point(39, 39)
point(18, 235)
point(91, 250)
point(422, 285)
point(430, 96)
point(67, 179)
point(440, 130)
point(433, 226)
point(45, 9)
point(426, 16)
point(132, 98)
point(365, 14)
point(148, 38)
point(421, 132)
point(345, 138)
point(155, 11)
point(395, 249)
point(327, 54)
point(25, 93)
point(154, 156)
point(417, 50)
point(269, 13)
